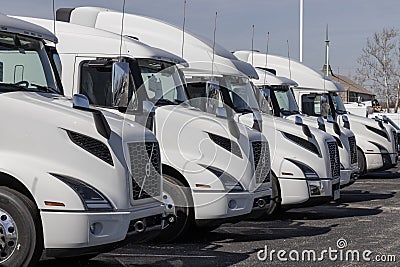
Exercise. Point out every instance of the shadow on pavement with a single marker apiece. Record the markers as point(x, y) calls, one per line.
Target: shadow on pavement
point(353, 196)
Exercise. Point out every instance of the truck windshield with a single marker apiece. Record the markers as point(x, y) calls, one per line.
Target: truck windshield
point(316, 105)
point(24, 65)
point(239, 90)
point(241, 94)
point(338, 103)
point(283, 100)
point(162, 82)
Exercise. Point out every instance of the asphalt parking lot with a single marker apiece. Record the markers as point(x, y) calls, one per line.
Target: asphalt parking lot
point(365, 221)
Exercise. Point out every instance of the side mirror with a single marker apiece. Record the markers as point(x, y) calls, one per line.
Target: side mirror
point(57, 63)
point(221, 112)
point(330, 119)
point(346, 122)
point(336, 128)
point(321, 124)
point(80, 101)
point(306, 130)
point(379, 122)
point(120, 84)
point(257, 120)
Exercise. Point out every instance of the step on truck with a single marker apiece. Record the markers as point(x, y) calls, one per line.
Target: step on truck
point(67, 185)
point(318, 95)
point(278, 94)
point(305, 165)
point(208, 161)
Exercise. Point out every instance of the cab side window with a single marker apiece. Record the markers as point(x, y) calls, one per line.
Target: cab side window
point(95, 83)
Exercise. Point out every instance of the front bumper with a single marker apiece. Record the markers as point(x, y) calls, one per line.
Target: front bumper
point(345, 176)
point(72, 233)
point(301, 192)
point(261, 203)
point(380, 161)
point(221, 205)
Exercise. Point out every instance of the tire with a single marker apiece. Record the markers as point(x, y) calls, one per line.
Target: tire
point(178, 193)
point(276, 199)
point(362, 166)
point(25, 246)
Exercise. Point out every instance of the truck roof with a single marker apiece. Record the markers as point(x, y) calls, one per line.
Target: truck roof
point(14, 25)
point(85, 40)
point(303, 75)
point(158, 34)
point(268, 78)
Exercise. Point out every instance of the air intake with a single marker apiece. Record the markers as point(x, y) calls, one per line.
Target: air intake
point(91, 145)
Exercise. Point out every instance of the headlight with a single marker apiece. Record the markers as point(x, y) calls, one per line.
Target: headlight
point(308, 172)
point(92, 199)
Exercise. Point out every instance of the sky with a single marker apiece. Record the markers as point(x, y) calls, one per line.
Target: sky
point(350, 22)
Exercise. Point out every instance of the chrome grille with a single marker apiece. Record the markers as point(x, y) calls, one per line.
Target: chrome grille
point(145, 169)
point(334, 159)
point(353, 149)
point(262, 163)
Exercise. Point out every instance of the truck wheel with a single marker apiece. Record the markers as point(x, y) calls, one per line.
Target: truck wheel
point(276, 199)
point(21, 242)
point(177, 200)
point(361, 162)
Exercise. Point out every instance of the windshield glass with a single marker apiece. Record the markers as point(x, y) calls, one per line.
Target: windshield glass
point(338, 103)
point(24, 65)
point(284, 101)
point(239, 90)
point(316, 104)
point(241, 94)
point(162, 82)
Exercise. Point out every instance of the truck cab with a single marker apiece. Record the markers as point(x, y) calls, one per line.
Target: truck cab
point(66, 182)
point(317, 95)
point(208, 161)
point(278, 93)
point(302, 170)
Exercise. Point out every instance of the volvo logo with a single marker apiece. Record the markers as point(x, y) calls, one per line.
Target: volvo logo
point(148, 164)
point(148, 169)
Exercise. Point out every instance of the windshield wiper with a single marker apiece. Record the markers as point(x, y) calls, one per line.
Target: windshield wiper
point(341, 112)
point(45, 88)
point(14, 86)
point(163, 101)
point(244, 110)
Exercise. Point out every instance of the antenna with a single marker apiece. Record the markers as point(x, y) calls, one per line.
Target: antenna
point(327, 51)
point(213, 57)
point(301, 29)
point(54, 18)
point(252, 47)
point(266, 59)
point(183, 26)
point(122, 30)
point(288, 55)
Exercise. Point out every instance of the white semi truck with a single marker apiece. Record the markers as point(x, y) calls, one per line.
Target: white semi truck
point(67, 185)
point(207, 161)
point(305, 167)
point(317, 95)
point(277, 91)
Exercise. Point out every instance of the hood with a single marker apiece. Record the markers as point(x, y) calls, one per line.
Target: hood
point(58, 109)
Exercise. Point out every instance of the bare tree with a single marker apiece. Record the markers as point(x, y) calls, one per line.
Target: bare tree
point(378, 65)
